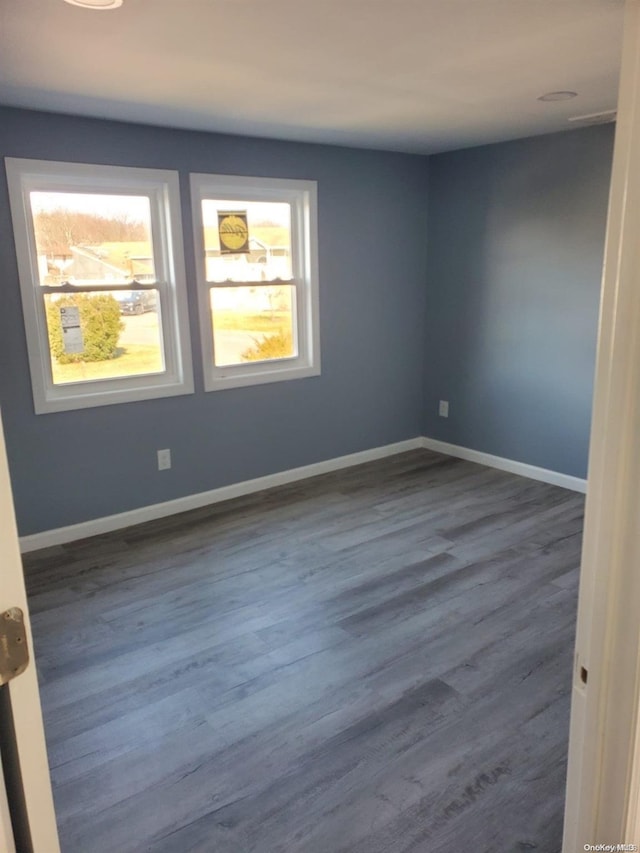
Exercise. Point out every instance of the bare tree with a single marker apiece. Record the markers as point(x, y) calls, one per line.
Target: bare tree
point(57, 230)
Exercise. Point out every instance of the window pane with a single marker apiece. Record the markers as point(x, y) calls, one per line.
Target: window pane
point(256, 240)
point(96, 238)
point(253, 324)
point(103, 335)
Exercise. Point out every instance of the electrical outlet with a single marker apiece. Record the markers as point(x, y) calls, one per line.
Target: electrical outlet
point(164, 460)
point(443, 409)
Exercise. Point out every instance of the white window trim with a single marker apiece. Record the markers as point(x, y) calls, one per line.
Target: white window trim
point(302, 196)
point(162, 188)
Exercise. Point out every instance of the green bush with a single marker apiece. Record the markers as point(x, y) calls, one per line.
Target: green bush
point(100, 322)
point(271, 346)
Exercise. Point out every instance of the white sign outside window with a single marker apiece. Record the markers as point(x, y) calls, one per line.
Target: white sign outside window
point(72, 340)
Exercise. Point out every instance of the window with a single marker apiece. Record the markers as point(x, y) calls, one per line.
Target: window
point(256, 254)
point(101, 267)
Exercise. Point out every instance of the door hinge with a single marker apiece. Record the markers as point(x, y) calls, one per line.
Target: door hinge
point(14, 653)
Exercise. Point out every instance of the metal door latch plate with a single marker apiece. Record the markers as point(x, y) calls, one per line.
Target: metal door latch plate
point(14, 654)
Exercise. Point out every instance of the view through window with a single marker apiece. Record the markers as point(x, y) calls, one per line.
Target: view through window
point(101, 264)
point(249, 243)
point(96, 268)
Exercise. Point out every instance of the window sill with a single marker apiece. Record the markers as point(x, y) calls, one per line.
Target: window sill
point(221, 379)
point(62, 402)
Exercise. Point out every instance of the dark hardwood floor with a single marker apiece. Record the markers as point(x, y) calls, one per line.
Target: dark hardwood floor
point(372, 661)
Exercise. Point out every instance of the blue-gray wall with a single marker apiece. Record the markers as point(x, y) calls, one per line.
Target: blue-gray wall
point(493, 307)
point(516, 239)
point(74, 466)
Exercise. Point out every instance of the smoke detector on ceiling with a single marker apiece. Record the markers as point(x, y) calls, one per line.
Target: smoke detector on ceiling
point(101, 5)
point(605, 117)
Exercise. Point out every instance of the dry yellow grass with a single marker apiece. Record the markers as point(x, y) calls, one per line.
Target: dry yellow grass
point(133, 360)
point(276, 321)
point(120, 254)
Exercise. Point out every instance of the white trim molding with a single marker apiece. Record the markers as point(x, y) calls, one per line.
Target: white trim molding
point(603, 775)
point(108, 523)
point(96, 526)
point(555, 478)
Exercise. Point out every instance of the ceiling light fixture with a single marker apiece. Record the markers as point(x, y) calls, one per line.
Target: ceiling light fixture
point(558, 96)
point(101, 5)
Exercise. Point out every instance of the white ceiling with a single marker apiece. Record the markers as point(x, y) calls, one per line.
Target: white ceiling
point(404, 75)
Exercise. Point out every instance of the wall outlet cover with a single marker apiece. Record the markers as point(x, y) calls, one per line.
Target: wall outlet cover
point(164, 460)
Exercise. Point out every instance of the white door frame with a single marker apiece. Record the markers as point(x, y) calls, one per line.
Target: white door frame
point(23, 691)
point(603, 779)
point(7, 844)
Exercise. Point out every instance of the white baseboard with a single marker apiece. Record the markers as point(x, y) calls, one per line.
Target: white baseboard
point(95, 526)
point(576, 484)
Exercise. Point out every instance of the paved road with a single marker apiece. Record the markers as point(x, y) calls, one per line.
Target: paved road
point(231, 344)
point(142, 329)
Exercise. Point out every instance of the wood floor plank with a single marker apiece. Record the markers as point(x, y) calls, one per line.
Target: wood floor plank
point(376, 660)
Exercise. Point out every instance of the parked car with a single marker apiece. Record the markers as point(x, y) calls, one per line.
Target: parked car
point(136, 301)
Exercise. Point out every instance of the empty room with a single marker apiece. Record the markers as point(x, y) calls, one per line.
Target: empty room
point(297, 357)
